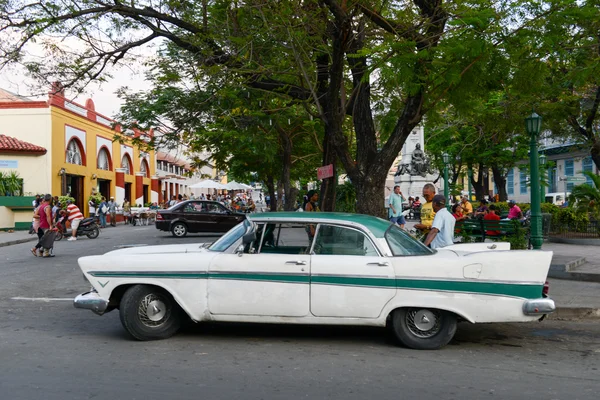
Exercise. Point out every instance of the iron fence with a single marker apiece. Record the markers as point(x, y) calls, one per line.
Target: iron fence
point(577, 230)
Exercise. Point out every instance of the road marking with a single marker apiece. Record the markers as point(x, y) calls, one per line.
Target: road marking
point(44, 299)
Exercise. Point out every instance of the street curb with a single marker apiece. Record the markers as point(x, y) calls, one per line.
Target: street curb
point(575, 313)
point(575, 276)
point(18, 241)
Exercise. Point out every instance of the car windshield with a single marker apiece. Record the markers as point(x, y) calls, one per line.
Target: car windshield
point(403, 244)
point(230, 237)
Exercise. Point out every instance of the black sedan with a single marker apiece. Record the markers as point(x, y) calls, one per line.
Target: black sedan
point(196, 216)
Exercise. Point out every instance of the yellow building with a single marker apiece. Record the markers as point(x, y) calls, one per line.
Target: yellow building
point(82, 155)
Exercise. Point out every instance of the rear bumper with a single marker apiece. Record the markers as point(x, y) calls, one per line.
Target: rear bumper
point(540, 306)
point(163, 225)
point(91, 301)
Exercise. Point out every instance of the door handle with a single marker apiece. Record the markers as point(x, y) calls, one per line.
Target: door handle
point(380, 263)
point(296, 262)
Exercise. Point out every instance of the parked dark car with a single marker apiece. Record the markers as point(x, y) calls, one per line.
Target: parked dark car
point(196, 216)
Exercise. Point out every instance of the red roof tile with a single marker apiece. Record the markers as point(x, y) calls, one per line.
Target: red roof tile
point(12, 145)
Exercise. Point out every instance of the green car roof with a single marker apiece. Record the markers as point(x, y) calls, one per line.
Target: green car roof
point(377, 226)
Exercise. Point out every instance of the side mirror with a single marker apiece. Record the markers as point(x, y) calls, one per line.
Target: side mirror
point(249, 238)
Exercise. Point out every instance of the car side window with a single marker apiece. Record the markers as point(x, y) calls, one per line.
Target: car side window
point(284, 238)
point(342, 241)
point(194, 206)
point(214, 208)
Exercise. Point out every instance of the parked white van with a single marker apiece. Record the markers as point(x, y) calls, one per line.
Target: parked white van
point(556, 198)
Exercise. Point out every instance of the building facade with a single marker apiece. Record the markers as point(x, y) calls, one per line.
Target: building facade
point(86, 152)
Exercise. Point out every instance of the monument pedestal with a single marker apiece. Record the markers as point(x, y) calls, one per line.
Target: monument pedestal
point(413, 185)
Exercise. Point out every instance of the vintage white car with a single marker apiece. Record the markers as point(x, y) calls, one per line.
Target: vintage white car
point(319, 268)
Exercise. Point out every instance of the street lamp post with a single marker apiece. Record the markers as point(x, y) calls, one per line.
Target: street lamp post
point(533, 123)
point(446, 159)
point(543, 177)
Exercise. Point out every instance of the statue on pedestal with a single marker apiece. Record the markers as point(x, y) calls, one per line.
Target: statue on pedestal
point(419, 164)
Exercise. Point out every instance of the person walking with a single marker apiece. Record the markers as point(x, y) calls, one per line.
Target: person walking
point(442, 228)
point(102, 211)
point(112, 210)
point(395, 202)
point(44, 212)
point(126, 211)
point(75, 217)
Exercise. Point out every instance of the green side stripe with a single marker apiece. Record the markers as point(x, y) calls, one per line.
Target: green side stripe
point(150, 274)
point(263, 277)
point(355, 281)
point(528, 291)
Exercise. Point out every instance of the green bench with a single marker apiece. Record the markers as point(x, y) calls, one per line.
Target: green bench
point(488, 229)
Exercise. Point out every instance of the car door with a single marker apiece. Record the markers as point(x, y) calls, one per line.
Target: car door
point(349, 278)
point(224, 219)
point(197, 217)
point(270, 280)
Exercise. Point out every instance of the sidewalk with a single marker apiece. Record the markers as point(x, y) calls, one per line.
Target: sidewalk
point(574, 276)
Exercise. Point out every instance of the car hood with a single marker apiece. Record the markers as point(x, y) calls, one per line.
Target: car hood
point(162, 249)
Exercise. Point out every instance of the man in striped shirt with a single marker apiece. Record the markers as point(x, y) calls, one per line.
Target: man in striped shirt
point(75, 217)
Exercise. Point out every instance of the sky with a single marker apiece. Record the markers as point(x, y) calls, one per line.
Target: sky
point(106, 101)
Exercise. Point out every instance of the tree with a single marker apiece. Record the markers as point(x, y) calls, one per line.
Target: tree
point(381, 64)
point(586, 198)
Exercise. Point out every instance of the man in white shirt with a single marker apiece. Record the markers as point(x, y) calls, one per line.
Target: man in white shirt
point(442, 229)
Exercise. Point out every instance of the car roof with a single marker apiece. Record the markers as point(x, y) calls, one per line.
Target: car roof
point(376, 226)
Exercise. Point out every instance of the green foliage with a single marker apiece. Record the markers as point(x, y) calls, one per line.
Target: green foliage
point(585, 198)
point(62, 200)
point(346, 198)
point(519, 240)
point(11, 184)
point(96, 198)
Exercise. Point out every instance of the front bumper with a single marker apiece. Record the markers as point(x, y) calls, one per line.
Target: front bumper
point(91, 301)
point(541, 306)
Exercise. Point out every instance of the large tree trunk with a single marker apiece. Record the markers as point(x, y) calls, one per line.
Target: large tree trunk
point(500, 181)
point(595, 152)
point(328, 186)
point(271, 189)
point(286, 147)
point(370, 196)
point(478, 184)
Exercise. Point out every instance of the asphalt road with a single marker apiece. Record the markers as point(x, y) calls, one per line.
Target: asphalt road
point(49, 350)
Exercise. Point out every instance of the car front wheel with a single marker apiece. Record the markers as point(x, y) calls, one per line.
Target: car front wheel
point(149, 313)
point(424, 328)
point(179, 229)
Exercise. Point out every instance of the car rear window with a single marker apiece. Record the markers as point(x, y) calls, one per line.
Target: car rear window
point(403, 244)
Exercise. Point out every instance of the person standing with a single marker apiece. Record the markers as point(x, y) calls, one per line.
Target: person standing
point(75, 217)
point(427, 211)
point(92, 208)
point(126, 211)
point(102, 211)
point(112, 210)
point(395, 203)
point(311, 206)
point(44, 212)
point(442, 229)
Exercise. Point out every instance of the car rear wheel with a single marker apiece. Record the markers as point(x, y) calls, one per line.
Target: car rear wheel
point(179, 229)
point(149, 313)
point(424, 328)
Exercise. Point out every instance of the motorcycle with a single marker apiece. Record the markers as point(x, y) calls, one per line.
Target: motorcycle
point(87, 227)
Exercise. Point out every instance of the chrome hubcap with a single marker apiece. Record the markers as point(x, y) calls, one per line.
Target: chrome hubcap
point(179, 230)
point(152, 310)
point(423, 323)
